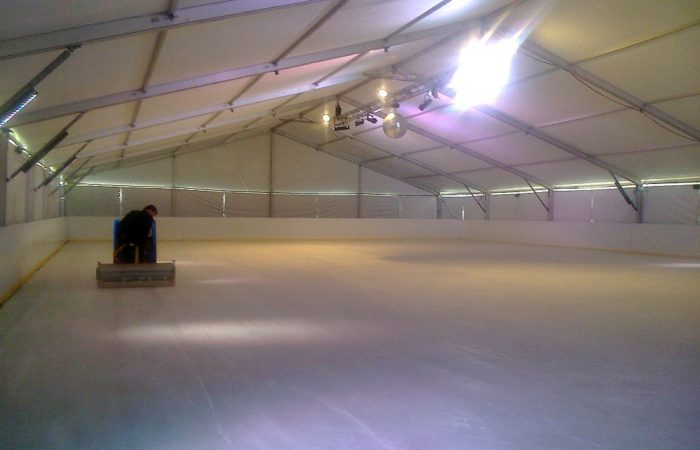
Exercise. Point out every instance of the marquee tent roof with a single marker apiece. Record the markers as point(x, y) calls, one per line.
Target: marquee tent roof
point(598, 90)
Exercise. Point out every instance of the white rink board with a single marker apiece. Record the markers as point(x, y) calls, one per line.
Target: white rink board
point(681, 240)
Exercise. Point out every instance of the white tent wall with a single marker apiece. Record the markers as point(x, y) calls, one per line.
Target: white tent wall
point(238, 166)
point(198, 204)
point(517, 207)
point(246, 205)
point(16, 207)
point(137, 198)
point(93, 201)
point(25, 247)
point(32, 232)
point(463, 207)
point(23, 202)
point(672, 205)
point(304, 183)
point(604, 206)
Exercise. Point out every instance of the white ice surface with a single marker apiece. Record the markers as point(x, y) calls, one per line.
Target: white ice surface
point(412, 345)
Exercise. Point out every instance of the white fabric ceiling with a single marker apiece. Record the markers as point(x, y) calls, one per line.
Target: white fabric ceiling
point(599, 86)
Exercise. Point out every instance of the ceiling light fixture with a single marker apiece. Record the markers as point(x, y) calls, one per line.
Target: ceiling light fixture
point(326, 118)
point(382, 93)
point(427, 100)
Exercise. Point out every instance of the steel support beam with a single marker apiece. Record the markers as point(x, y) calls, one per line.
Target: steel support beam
point(435, 171)
point(25, 45)
point(541, 135)
point(459, 148)
point(106, 132)
point(529, 48)
point(624, 195)
point(298, 140)
point(234, 74)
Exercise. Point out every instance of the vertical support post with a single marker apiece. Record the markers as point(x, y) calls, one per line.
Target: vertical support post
point(550, 205)
point(4, 144)
point(29, 195)
point(61, 203)
point(272, 147)
point(639, 197)
point(487, 205)
point(121, 202)
point(173, 206)
point(438, 212)
point(359, 191)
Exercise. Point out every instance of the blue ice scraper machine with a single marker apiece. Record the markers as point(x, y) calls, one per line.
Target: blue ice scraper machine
point(146, 273)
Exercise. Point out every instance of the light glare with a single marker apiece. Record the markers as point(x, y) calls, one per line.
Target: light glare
point(483, 70)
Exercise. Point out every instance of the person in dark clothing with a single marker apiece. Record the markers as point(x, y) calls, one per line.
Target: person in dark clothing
point(135, 234)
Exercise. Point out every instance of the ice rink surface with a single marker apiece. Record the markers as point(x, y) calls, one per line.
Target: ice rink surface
point(412, 345)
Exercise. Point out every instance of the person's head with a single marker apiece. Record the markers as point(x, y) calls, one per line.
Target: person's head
point(152, 210)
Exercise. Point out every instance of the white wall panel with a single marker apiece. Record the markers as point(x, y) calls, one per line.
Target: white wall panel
point(54, 202)
point(137, 198)
point(247, 205)
point(294, 206)
point(197, 203)
point(16, 191)
point(239, 166)
point(610, 207)
point(411, 207)
point(29, 190)
point(453, 207)
point(157, 173)
point(93, 201)
point(672, 205)
point(573, 206)
point(376, 183)
point(373, 206)
point(39, 204)
point(649, 238)
point(336, 206)
point(24, 247)
point(521, 207)
point(594, 206)
point(299, 168)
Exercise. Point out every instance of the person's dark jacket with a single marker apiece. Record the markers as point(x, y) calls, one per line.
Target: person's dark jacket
point(136, 227)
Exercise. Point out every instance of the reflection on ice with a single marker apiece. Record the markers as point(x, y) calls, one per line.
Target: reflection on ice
point(681, 265)
point(255, 332)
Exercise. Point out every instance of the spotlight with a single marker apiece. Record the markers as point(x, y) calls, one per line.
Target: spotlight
point(382, 93)
point(359, 122)
point(371, 119)
point(427, 100)
point(395, 125)
point(477, 87)
point(326, 118)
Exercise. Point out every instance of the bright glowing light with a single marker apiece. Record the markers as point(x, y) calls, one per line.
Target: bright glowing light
point(382, 93)
point(483, 71)
point(326, 118)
